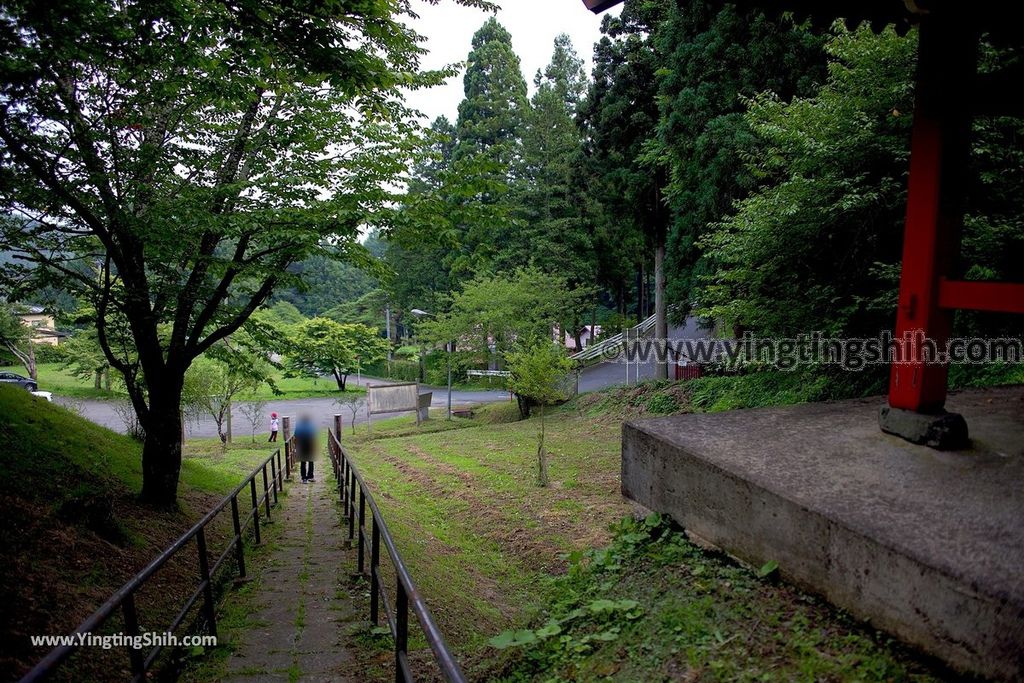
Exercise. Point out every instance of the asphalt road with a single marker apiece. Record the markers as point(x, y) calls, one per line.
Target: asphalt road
point(320, 409)
point(593, 378)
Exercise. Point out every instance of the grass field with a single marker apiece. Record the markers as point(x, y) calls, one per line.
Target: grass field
point(567, 590)
point(52, 377)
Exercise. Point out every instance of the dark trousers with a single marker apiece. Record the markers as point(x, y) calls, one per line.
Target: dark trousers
point(306, 469)
point(273, 436)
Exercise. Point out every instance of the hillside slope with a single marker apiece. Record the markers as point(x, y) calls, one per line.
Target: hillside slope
point(73, 531)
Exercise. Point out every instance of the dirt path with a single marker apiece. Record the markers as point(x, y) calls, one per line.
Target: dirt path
point(301, 611)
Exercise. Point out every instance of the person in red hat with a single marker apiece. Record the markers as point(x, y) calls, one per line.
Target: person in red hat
point(273, 427)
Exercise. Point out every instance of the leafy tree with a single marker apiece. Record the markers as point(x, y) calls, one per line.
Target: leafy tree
point(367, 310)
point(254, 412)
point(711, 58)
point(818, 246)
point(17, 339)
point(352, 402)
point(500, 309)
point(321, 346)
point(492, 113)
point(539, 370)
point(278, 315)
point(83, 357)
point(210, 388)
point(488, 133)
point(620, 117)
point(420, 263)
point(554, 236)
point(326, 280)
point(192, 153)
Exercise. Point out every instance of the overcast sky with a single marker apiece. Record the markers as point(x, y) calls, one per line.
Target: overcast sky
point(533, 24)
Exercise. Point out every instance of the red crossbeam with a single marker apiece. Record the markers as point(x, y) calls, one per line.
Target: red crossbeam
point(1002, 297)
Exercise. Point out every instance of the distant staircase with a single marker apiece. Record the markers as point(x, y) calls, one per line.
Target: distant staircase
point(598, 349)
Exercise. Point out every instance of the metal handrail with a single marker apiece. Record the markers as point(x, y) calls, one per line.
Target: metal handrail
point(406, 595)
point(615, 341)
point(124, 597)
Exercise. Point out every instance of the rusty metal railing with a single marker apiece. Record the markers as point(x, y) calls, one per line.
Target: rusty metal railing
point(355, 499)
point(272, 472)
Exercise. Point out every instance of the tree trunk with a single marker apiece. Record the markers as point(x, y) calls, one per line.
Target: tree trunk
point(641, 302)
point(524, 406)
point(106, 378)
point(660, 309)
point(542, 456)
point(340, 378)
point(98, 379)
point(161, 451)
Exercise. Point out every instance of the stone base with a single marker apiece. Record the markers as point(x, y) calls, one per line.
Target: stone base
point(925, 544)
point(945, 431)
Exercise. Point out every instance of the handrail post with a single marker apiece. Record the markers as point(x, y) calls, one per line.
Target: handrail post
point(266, 490)
point(255, 510)
point(239, 546)
point(280, 470)
point(273, 478)
point(131, 628)
point(351, 510)
point(287, 461)
point(204, 574)
point(362, 528)
point(401, 627)
point(344, 477)
point(374, 571)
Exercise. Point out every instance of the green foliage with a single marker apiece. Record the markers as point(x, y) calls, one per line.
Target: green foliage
point(83, 357)
point(618, 119)
point(16, 338)
point(491, 115)
point(324, 347)
point(662, 404)
point(503, 308)
point(653, 602)
point(487, 143)
point(539, 370)
point(397, 369)
point(711, 58)
point(814, 248)
point(212, 385)
point(279, 314)
point(366, 310)
point(325, 280)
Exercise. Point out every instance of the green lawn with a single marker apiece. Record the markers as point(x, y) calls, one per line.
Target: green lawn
point(578, 593)
point(52, 377)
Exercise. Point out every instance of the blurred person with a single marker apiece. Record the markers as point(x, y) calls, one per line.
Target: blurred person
point(305, 446)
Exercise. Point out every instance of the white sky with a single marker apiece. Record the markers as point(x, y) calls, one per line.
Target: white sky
point(533, 24)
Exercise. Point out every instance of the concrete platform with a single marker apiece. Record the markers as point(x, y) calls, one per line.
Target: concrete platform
point(924, 544)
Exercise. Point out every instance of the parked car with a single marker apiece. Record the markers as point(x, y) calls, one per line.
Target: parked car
point(23, 382)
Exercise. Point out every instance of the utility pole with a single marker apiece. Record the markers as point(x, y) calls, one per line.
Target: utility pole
point(387, 322)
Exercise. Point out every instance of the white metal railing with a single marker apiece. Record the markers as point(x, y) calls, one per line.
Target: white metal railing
point(615, 341)
point(488, 373)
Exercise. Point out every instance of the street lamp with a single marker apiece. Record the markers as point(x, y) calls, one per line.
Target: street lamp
point(418, 312)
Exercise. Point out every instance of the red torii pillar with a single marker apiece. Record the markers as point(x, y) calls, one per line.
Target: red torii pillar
point(946, 98)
